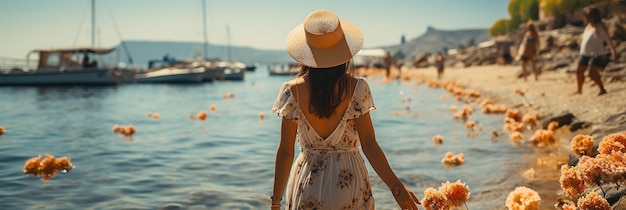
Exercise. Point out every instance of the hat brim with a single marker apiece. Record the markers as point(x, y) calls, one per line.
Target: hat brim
point(338, 54)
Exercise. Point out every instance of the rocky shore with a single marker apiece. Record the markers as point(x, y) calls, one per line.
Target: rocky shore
point(588, 113)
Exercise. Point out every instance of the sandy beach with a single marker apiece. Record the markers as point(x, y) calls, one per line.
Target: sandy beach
point(549, 96)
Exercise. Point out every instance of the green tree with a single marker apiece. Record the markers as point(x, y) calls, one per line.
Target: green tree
point(402, 40)
point(500, 27)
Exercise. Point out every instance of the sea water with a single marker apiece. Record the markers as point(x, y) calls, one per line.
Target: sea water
point(227, 160)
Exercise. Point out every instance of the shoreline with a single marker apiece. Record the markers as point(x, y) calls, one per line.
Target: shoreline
point(550, 97)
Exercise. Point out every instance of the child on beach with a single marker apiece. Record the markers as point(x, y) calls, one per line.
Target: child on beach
point(439, 62)
point(593, 56)
point(327, 109)
point(529, 50)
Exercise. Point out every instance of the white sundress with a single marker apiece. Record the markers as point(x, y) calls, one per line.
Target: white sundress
point(328, 173)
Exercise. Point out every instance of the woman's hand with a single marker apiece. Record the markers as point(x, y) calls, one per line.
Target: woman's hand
point(407, 200)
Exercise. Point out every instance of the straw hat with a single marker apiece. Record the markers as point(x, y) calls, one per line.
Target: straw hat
point(324, 41)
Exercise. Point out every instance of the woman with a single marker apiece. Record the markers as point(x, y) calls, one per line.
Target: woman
point(592, 52)
point(439, 62)
point(328, 111)
point(529, 50)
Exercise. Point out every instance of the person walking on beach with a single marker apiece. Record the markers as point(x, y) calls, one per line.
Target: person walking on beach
point(593, 56)
point(439, 63)
point(388, 60)
point(529, 50)
point(327, 110)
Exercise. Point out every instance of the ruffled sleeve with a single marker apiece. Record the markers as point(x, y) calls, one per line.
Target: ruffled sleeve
point(362, 101)
point(285, 104)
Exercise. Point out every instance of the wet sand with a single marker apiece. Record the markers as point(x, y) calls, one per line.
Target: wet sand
point(551, 96)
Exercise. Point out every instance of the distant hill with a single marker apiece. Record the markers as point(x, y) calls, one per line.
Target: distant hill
point(143, 51)
point(434, 40)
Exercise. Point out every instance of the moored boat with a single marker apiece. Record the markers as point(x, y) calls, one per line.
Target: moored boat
point(62, 67)
point(170, 72)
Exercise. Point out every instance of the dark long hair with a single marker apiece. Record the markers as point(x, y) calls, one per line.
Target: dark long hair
point(593, 16)
point(322, 82)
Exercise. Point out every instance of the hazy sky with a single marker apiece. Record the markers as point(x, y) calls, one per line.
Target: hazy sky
point(262, 24)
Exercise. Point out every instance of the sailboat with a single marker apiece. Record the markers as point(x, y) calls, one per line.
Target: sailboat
point(213, 69)
point(61, 66)
point(170, 70)
point(234, 70)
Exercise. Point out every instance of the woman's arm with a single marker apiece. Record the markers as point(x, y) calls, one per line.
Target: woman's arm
point(607, 39)
point(284, 159)
point(377, 159)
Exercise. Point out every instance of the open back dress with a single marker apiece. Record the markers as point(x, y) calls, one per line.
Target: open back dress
point(328, 173)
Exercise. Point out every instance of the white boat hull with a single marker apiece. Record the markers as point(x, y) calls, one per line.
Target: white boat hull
point(68, 77)
point(171, 75)
point(234, 74)
point(213, 73)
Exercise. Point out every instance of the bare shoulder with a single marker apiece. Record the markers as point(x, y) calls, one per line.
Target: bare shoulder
point(295, 81)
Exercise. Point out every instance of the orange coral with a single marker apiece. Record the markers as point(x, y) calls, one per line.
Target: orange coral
point(531, 118)
point(434, 200)
point(593, 201)
point(213, 108)
point(201, 115)
point(582, 144)
point(553, 125)
point(516, 137)
point(123, 129)
point(48, 167)
point(571, 182)
point(523, 198)
point(2, 130)
point(613, 142)
point(542, 138)
point(438, 139)
point(457, 193)
point(450, 159)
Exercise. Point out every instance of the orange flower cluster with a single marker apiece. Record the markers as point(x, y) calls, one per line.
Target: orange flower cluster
point(613, 142)
point(607, 167)
point(434, 200)
point(123, 129)
point(465, 112)
point(553, 125)
point(201, 115)
point(448, 195)
point(154, 115)
point(453, 160)
point(514, 114)
point(582, 144)
point(531, 118)
point(516, 138)
point(48, 167)
point(229, 95)
point(593, 201)
point(2, 130)
point(470, 125)
point(213, 108)
point(571, 181)
point(523, 198)
point(438, 139)
point(542, 138)
point(494, 109)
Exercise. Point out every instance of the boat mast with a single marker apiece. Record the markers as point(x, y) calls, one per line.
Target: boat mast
point(228, 39)
point(204, 28)
point(93, 23)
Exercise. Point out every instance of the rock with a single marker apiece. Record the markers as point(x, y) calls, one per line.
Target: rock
point(564, 119)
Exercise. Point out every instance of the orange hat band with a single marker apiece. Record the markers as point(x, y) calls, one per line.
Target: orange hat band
point(324, 41)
